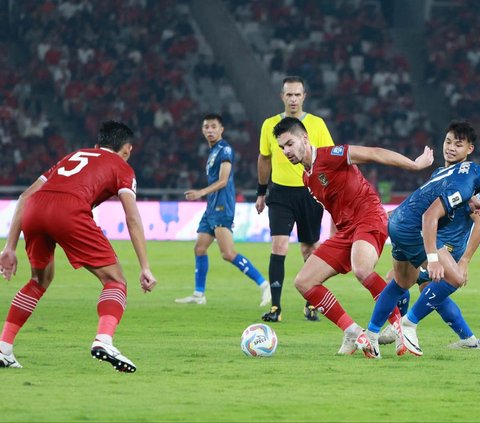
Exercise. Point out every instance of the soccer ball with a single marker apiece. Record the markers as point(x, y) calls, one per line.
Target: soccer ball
point(259, 340)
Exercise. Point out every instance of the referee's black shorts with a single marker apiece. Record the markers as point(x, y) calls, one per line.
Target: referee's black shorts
point(289, 205)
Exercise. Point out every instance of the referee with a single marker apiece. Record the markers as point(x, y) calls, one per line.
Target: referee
point(288, 200)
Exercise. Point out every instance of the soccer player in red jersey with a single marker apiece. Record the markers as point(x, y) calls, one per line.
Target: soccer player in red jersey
point(334, 180)
point(57, 209)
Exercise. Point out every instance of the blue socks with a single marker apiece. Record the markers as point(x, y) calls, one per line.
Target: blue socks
point(403, 303)
point(386, 302)
point(201, 270)
point(452, 316)
point(430, 299)
point(246, 266)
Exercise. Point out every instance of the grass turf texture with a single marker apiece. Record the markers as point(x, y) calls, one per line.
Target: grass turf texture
point(191, 368)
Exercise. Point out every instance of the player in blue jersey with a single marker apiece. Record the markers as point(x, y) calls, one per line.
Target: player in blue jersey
point(461, 237)
point(413, 230)
point(217, 221)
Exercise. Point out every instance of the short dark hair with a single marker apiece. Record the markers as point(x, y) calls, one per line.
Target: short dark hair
point(213, 116)
point(289, 124)
point(293, 78)
point(463, 130)
point(114, 135)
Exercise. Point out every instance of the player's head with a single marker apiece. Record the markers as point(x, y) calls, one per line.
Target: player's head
point(212, 128)
point(117, 137)
point(292, 138)
point(293, 95)
point(459, 141)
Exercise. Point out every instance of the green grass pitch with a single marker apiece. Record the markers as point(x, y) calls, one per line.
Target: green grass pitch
point(191, 368)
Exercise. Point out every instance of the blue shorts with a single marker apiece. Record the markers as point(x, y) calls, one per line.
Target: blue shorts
point(209, 222)
point(408, 246)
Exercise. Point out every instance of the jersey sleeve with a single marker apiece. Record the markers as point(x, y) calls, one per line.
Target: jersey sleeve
point(265, 136)
point(334, 157)
point(455, 195)
point(126, 181)
point(226, 154)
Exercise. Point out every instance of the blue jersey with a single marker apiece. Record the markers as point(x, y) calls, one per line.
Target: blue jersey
point(454, 185)
point(221, 202)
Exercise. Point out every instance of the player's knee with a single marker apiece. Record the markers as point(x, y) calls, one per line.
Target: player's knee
point(199, 251)
point(362, 272)
point(228, 255)
point(302, 284)
point(457, 280)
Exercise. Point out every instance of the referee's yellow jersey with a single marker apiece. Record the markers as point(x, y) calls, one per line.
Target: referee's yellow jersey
point(284, 172)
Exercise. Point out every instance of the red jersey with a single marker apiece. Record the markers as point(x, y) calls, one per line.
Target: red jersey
point(91, 174)
point(341, 188)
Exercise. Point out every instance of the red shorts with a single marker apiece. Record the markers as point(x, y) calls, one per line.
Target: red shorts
point(50, 218)
point(337, 250)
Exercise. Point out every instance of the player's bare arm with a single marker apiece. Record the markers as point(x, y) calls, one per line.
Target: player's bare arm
point(8, 257)
point(225, 170)
point(137, 236)
point(472, 245)
point(264, 169)
point(361, 155)
point(429, 230)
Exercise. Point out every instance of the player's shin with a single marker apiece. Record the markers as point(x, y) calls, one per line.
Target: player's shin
point(111, 306)
point(22, 307)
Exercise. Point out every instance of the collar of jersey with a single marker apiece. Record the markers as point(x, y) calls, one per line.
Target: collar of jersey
point(314, 157)
point(282, 115)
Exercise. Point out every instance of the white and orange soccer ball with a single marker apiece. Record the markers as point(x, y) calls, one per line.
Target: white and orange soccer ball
point(259, 340)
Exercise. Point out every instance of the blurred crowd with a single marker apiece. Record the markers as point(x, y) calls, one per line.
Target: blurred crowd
point(357, 80)
point(145, 62)
point(453, 48)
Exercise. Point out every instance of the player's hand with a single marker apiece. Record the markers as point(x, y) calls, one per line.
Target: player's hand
point(193, 194)
point(147, 280)
point(8, 263)
point(260, 203)
point(436, 271)
point(425, 159)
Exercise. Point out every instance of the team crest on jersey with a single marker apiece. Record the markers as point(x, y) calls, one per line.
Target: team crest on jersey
point(464, 167)
point(323, 179)
point(455, 199)
point(337, 151)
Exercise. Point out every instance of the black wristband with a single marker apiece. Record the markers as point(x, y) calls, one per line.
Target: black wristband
point(262, 189)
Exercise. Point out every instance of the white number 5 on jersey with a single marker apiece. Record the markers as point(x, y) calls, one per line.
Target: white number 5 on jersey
point(82, 158)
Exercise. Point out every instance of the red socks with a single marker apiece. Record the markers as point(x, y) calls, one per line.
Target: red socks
point(110, 307)
point(21, 309)
point(326, 303)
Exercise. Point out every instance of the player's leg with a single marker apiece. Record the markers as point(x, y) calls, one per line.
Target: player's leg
point(110, 308)
point(365, 252)
point(205, 238)
point(281, 220)
point(308, 217)
point(225, 243)
point(85, 245)
point(21, 308)
point(385, 304)
point(436, 292)
point(40, 250)
point(452, 316)
point(319, 267)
